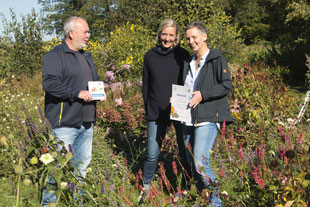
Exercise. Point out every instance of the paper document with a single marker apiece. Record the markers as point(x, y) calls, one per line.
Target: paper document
point(96, 88)
point(181, 96)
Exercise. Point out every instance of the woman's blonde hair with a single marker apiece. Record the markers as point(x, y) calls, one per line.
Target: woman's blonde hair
point(168, 23)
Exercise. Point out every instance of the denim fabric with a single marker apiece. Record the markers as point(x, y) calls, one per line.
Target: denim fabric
point(156, 131)
point(201, 140)
point(81, 142)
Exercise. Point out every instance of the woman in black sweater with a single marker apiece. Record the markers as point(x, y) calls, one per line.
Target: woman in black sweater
point(163, 66)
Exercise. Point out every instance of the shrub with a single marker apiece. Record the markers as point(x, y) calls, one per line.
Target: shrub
point(271, 173)
point(124, 112)
point(259, 100)
point(124, 50)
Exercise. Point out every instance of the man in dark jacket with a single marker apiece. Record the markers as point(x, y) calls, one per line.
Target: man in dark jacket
point(69, 106)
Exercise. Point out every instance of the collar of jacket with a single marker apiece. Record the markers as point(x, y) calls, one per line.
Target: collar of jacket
point(214, 53)
point(68, 50)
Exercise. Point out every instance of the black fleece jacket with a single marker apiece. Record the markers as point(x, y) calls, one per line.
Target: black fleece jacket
point(161, 68)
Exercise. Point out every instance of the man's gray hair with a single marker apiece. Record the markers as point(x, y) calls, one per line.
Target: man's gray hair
point(70, 24)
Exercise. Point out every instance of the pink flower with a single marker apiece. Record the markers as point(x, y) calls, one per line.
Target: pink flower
point(140, 174)
point(175, 169)
point(232, 140)
point(223, 129)
point(240, 152)
point(300, 138)
point(118, 101)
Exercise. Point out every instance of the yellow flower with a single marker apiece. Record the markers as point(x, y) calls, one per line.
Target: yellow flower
point(46, 158)
point(69, 156)
point(3, 140)
point(34, 160)
point(88, 170)
point(18, 169)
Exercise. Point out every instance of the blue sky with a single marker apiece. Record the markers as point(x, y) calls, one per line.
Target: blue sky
point(20, 7)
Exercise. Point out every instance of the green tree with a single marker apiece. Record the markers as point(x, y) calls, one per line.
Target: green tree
point(220, 30)
point(250, 16)
point(21, 46)
point(94, 11)
point(295, 42)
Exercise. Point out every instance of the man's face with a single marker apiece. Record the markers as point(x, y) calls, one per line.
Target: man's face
point(80, 35)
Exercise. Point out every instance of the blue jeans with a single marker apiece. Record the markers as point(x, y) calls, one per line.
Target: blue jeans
point(156, 132)
point(81, 142)
point(201, 140)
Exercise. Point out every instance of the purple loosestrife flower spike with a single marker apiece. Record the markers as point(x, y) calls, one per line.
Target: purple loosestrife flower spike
point(71, 149)
point(102, 190)
point(72, 187)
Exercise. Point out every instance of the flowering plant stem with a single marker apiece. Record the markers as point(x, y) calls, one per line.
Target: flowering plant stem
point(18, 184)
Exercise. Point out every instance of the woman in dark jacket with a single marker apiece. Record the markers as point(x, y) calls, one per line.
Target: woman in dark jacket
point(207, 75)
point(163, 66)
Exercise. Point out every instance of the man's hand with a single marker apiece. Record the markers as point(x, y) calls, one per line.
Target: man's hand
point(85, 95)
point(196, 99)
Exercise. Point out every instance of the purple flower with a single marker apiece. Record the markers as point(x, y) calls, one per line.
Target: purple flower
point(102, 190)
point(115, 86)
point(126, 66)
point(109, 75)
point(71, 186)
point(71, 148)
point(128, 83)
point(140, 83)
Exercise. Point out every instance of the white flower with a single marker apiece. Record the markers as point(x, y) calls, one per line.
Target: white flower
point(23, 99)
point(225, 193)
point(114, 165)
point(281, 123)
point(63, 185)
point(176, 199)
point(35, 107)
point(47, 158)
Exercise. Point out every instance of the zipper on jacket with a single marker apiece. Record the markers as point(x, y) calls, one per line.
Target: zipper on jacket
point(61, 110)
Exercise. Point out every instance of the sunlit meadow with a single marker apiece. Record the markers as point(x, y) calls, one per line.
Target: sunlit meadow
point(262, 159)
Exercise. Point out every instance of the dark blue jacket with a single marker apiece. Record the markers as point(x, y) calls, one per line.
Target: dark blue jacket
point(62, 82)
point(214, 82)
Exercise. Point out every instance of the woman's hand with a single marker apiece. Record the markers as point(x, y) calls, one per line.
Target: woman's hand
point(196, 99)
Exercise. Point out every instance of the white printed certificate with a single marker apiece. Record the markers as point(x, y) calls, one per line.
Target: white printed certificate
point(181, 96)
point(96, 88)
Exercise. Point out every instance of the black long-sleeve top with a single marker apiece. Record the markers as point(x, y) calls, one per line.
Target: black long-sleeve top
point(162, 68)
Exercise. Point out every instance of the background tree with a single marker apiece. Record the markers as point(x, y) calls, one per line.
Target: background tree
point(21, 45)
point(94, 11)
